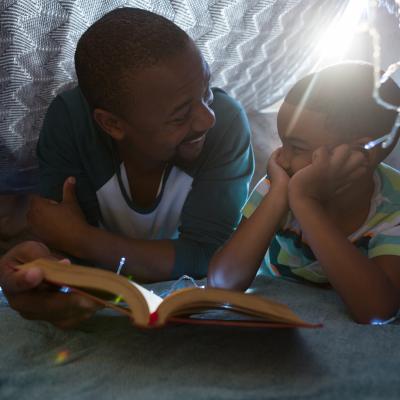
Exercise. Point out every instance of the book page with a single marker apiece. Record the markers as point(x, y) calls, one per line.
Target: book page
point(151, 298)
point(197, 301)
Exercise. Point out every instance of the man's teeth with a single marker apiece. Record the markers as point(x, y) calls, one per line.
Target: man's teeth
point(195, 140)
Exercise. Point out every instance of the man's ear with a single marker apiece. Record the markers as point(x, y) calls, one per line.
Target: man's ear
point(110, 123)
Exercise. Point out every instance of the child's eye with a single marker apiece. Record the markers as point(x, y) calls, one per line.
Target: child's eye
point(298, 150)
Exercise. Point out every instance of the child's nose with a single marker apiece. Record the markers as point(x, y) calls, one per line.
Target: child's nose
point(284, 158)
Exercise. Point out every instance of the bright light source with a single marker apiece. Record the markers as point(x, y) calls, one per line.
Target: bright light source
point(337, 38)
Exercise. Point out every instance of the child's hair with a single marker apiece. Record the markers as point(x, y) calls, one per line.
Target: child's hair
point(343, 92)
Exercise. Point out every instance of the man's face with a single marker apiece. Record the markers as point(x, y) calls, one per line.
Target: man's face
point(301, 133)
point(171, 114)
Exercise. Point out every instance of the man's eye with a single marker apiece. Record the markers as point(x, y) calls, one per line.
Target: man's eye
point(179, 120)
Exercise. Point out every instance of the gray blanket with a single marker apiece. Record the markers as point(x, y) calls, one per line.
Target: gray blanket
point(109, 358)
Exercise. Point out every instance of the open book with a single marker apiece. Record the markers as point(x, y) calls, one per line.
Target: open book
point(188, 305)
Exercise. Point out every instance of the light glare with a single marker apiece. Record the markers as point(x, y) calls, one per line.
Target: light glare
point(336, 40)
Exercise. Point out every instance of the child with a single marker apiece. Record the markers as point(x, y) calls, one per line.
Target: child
point(329, 210)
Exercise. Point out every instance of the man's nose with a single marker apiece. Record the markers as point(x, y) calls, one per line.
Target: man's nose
point(204, 118)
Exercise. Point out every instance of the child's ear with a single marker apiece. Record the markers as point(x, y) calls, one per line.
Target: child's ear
point(110, 123)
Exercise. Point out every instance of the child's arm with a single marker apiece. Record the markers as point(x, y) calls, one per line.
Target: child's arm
point(369, 287)
point(235, 265)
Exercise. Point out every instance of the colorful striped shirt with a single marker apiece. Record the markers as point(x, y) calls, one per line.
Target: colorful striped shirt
point(290, 256)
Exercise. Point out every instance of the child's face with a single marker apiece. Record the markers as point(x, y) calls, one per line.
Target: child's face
point(301, 134)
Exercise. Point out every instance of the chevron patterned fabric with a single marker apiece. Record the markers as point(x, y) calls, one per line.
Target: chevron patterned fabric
point(256, 50)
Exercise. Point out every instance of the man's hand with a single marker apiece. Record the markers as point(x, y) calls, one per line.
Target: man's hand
point(329, 174)
point(33, 299)
point(60, 225)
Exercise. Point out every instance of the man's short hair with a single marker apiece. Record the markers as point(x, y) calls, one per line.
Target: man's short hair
point(343, 92)
point(116, 46)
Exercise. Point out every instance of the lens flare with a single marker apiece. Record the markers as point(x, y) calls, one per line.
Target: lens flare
point(336, 40)
point(62, 357)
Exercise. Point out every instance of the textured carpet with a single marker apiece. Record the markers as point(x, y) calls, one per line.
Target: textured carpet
point(108, 358)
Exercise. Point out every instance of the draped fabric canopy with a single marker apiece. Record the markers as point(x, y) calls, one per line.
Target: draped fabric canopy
point(256, 50)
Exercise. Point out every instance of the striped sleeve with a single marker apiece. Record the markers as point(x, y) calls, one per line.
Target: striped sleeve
point(258, 193)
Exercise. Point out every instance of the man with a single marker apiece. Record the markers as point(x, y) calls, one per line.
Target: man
point(144, 159)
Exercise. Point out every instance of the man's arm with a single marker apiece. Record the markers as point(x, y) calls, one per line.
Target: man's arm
point(369, 287)
point(60, 155)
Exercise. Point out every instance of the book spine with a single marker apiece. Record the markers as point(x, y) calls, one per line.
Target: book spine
point(153, 318)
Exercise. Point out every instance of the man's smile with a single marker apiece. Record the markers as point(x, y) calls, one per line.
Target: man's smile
point(195, 139)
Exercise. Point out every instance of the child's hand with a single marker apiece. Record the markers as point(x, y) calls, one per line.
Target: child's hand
point(276, 173)
point(329, 174)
